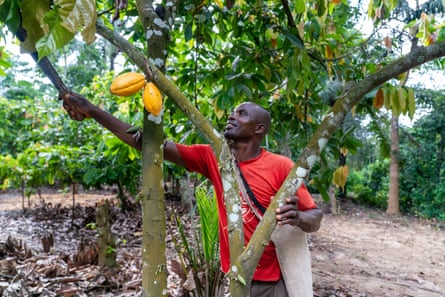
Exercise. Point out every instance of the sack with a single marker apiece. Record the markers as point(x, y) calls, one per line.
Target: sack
point(295, 260)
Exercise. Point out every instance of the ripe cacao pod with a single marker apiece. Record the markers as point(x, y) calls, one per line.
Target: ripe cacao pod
point(127, 84)
point(152, 99)
point(340, 176)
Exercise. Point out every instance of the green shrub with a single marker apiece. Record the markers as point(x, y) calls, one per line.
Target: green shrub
point(369, 186)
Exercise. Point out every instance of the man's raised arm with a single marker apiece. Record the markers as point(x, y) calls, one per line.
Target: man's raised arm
point(79, 108)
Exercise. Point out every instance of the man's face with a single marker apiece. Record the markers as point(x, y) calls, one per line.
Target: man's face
point(242, 123)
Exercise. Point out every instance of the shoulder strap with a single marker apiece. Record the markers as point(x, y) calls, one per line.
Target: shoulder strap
point(260, 207)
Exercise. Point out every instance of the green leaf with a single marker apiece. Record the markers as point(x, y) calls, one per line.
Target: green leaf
point(9, 14)
point(188, 33)
point(79, 15)
point(395, 106)
point(4, 63)
point(387, 98)
point(441, 34)
point(411, 102)
point(208, 214)
point(294, 38)
point(300, 6)
point(391, 4)
point(371, 9)
point(63, 22)
point(32, 14)
point(58, 37)
point(322, 185)
point(244, 89)
point(321, 7)
point(401, 96)
point(313, 29)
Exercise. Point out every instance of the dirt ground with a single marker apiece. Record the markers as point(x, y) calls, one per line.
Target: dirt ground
point(357, 253)
point(368, 253)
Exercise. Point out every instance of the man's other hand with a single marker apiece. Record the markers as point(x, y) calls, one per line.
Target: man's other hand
point(288, 213)
point(76, 106)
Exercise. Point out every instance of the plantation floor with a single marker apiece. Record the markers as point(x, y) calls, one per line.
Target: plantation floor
point(357, 253)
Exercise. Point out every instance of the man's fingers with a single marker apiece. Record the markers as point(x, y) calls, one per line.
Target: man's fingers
point(71, 99)
point(74, 115)
point(291, 217)
point(66, 106)
point(288, 213)
point(73, 105)
point(292, 199)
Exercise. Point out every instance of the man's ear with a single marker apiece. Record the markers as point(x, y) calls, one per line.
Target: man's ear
point(260, 128)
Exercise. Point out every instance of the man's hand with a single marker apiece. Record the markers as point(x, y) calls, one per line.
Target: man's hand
point(288, 213)
point(308, 220)
point(76, 106)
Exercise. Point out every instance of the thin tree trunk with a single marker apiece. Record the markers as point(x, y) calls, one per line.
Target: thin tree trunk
point(154, 267)
point(393, 199)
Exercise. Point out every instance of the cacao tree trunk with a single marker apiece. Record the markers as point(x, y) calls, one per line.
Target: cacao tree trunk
point(154, 267)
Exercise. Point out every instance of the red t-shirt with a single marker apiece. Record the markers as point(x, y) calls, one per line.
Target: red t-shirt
point(265, 175)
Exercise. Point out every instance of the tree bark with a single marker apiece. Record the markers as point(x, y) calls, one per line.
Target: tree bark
point(154, 267)
point(106, 242)
point(239, 279)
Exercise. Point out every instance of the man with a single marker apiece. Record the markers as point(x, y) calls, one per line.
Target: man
point(263, 171)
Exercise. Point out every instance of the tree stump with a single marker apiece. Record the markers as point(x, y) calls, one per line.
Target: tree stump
point(106, 242)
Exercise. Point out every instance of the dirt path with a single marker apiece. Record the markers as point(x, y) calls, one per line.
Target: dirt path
point(372, 254)
point(358, 253)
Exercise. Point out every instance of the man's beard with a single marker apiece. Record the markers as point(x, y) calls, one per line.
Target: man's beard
point(228, 137)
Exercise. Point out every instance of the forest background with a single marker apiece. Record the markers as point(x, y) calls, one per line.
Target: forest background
point(223, 53)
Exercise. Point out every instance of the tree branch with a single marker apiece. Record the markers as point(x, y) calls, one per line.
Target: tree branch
point(165, 85)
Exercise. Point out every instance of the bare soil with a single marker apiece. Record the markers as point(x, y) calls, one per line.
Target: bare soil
point(358, 253)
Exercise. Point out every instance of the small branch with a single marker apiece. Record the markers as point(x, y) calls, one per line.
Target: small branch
point(290, 18)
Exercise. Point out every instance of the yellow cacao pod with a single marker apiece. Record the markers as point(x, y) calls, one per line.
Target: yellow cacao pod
point(152, 99)
point(340, 176)
point(127, 84)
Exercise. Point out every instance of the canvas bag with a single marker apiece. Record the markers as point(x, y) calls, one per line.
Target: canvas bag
point(290, 245)
point(295, 260)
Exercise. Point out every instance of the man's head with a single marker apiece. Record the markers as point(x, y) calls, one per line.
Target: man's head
point(248, 121)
